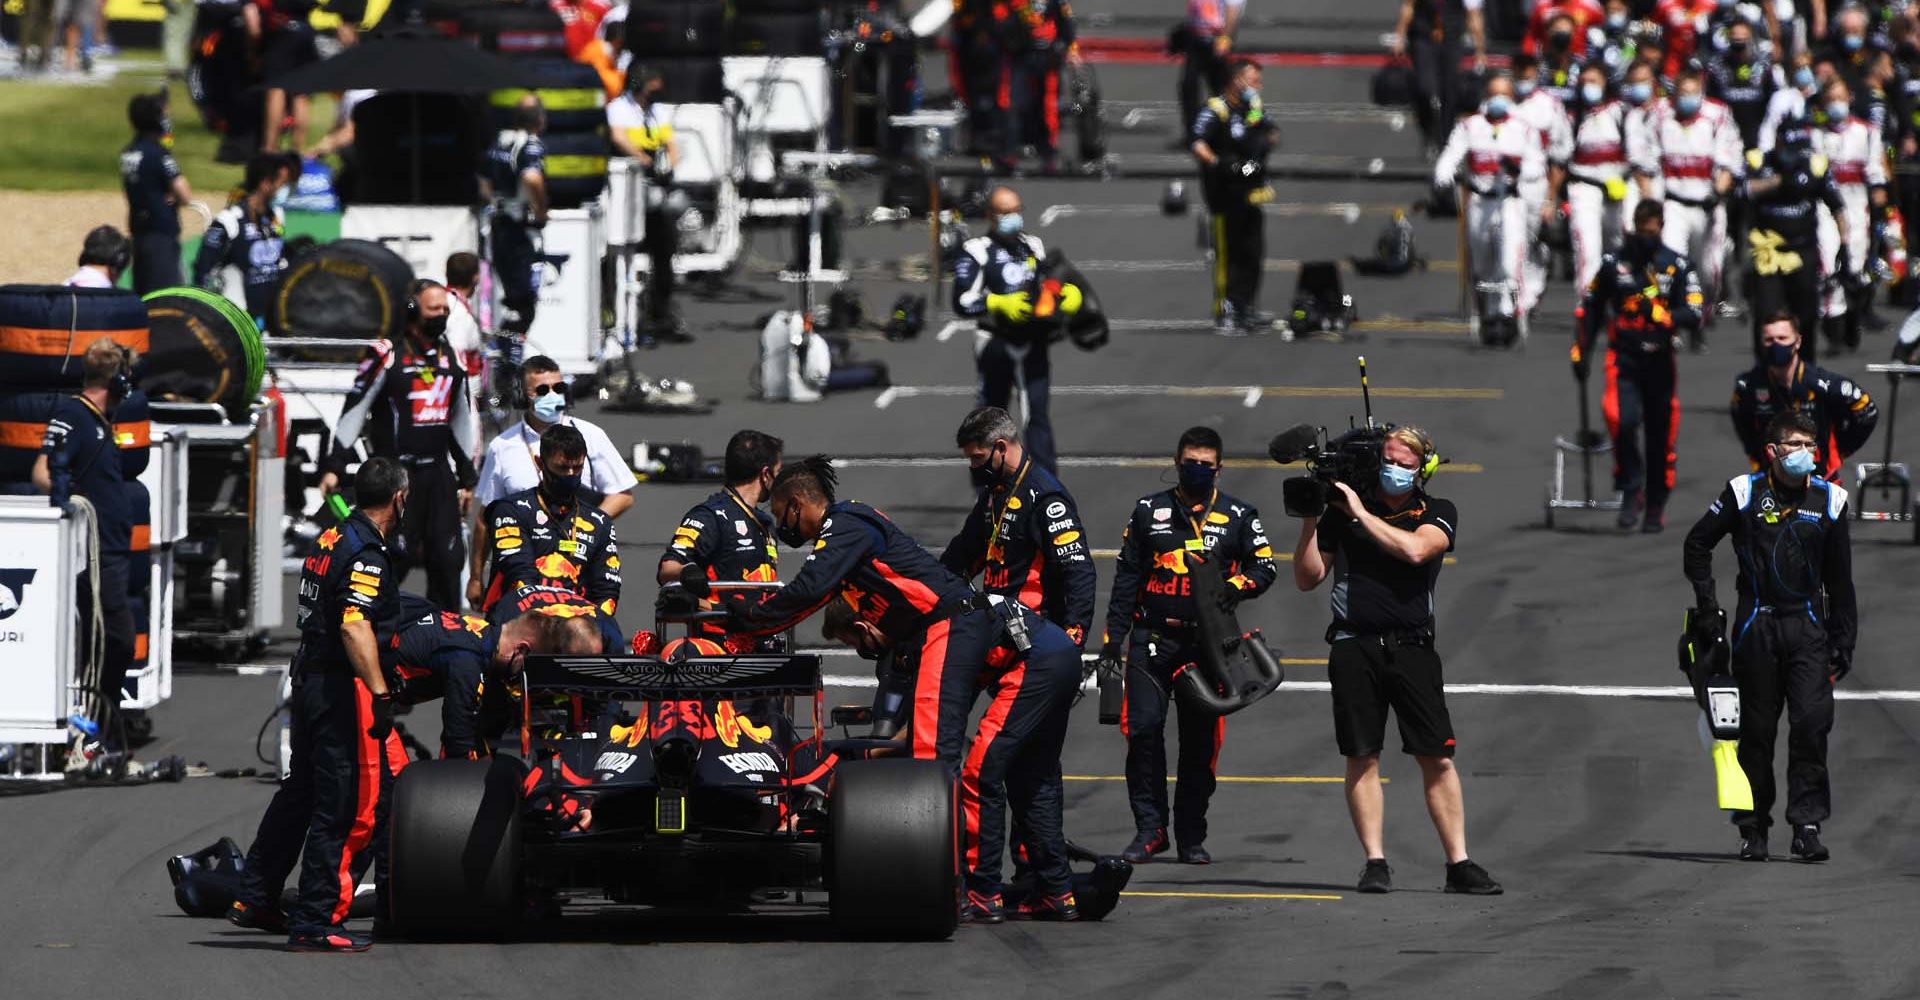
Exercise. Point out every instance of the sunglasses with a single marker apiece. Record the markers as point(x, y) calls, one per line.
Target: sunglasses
point(545, 388)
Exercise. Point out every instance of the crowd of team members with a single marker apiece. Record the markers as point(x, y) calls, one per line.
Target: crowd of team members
point(1674, 157)
point(1686, 105)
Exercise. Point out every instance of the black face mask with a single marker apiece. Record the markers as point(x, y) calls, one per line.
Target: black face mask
point(561, 489)
point(1645, 246)
point(1779, 355)
point(1559, 40)
point(789, 534)
point(433, 327)
point(1197, 478)
point(984, 475)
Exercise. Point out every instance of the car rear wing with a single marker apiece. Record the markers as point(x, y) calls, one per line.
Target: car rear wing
point(650, 678)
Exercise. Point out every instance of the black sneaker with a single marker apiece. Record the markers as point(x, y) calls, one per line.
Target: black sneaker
point(1656, 520)
point(1041, 906)
point(1470, 878)
point(1377, 876)
point(329, 941)
point(1807, 845)
point(257, 918)
point(1753, 844)
point(1195, 855)
point(1145, 845)
point(983, 908)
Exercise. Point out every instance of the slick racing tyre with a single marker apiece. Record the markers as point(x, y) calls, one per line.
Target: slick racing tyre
point(203, 349)
point(45, 329)
point(353, 289)
point(893, 850)
point(456, 848)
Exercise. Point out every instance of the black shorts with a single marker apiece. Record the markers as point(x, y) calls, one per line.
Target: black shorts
point(1368, 678)
point(287, 50)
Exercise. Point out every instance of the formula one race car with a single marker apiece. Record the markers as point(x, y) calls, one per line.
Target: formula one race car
point(706, 794)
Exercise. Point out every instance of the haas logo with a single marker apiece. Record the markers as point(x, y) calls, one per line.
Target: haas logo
point(430, 399)
point(13, 588)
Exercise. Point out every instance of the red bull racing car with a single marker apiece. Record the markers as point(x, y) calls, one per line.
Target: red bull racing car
point(678, 779)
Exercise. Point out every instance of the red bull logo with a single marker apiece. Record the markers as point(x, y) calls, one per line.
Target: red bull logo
point(1174, 562)
point(555, 566)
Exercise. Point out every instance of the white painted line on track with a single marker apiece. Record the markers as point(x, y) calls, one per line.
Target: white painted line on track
point(1091, 462)
point(1348, 211)
point(899, 392)
point(1674, 692)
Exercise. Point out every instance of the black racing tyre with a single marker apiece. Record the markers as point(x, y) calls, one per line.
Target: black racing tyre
point(570, 92)
point(751, 7)
point(515, 30)
point(777, 35)
point(352, 289)
point(133, 432)
point(576, 167)
point(45, 329)
point(676, 28)
point(203, 349)
point(23, 425)
point(691, 79)
point(456, 864)
point(893, 850)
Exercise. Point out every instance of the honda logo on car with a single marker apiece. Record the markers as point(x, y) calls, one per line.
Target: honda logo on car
point(741, 763)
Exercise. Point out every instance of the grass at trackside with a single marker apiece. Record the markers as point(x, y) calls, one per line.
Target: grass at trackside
point(68, 136)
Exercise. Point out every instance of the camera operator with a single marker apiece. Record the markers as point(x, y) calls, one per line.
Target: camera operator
point(1193, 527)
point(1797, 623)
point(1385, 552)
point(1843, 414)
point(1231, 138)
point(1651, 294)
point(639, 134)
point(513, 177)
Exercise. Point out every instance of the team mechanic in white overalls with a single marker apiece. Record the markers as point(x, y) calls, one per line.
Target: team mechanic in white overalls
point(1690, 147)
point(1537, 106)
point(1856, 158)
point(1598, 194)
point(1498, 150)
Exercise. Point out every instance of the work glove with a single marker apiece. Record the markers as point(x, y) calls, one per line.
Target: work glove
point(675, 601)
point(1071, 299)
point(694, 580)
point(1112, 659)
point(382, 725)
point(1839, 664)
point(1581, 363)
point(1014, 307)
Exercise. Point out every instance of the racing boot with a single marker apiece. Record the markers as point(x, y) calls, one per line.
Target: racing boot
point(983, 908)
point(332, 940)
point(1467, 877)
point(257, 918)
point(1041, 906)
point(1753, 844)
point(1146, 844)
point(1656, 520)
point(1195, 855)
point(1631, 502)
point(1807, 845)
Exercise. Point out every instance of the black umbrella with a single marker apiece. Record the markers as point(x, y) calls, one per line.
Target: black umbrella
point(411, 60)
point(408, 60)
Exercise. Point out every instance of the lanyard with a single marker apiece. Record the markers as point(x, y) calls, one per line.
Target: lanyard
point(1199, 543)
point(1000, 515)
point(528, 439)
point(570, 547)
point(752, 518)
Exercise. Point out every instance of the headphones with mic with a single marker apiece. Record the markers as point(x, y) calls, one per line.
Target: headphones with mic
point(120, 383)
point(1429, 457)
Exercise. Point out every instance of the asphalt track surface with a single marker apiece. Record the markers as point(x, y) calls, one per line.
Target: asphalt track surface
point(1595, 810)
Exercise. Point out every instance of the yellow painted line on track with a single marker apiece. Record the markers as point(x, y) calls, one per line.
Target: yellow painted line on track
point(1233, 895)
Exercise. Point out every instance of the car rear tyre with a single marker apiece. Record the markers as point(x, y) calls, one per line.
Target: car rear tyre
point(456, 848)
point(894, 850)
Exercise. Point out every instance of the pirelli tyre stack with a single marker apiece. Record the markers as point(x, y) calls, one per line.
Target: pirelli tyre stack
point(45, 331)
point(683, 40)
point(576, 137)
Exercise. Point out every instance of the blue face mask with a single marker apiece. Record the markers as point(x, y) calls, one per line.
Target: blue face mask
point(1779, 355)
point(1838, 112)
point(1798, 464)
point(1803, 78)
point(550, 407)
point(1524, 89)
point(1687, 104)
point(1196, 479)
point(1592, 93)
point(1499, 106)
point(1009, 224)
point(280, 196)
point(1852, 43)
point(1396, 480)
point(1249, 96)
point(1637, 93)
